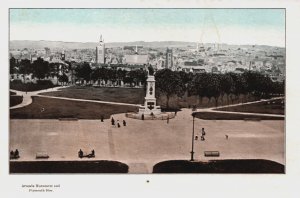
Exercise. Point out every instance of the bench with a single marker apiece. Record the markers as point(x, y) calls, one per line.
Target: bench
point(67, 119)
point(42, 155)
point(252, 119)
point(211, 153)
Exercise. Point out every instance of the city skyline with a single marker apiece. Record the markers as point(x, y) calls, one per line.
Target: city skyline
point(230, 26)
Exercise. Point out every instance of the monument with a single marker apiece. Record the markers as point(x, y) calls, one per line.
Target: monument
point(150, 111)
point(150, 107)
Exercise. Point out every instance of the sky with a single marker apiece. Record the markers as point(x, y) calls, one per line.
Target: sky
point(231, 26)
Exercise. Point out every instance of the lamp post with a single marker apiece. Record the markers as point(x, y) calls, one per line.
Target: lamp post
point(192, 152)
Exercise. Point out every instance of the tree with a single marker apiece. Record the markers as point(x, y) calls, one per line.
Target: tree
point(198, 86)
point(169, 83)
point(12, 65)
point(25, 67)
point(83, 70)
point(63, 78)
point(40, 68)
point(213, 87)
point(239, 85)
point(226, 85)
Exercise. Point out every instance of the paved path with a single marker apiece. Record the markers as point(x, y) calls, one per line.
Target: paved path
point(215, 109)
point(27, 96)
point(94, 101)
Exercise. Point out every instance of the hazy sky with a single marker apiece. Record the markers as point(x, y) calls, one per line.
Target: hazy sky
point(233, 26)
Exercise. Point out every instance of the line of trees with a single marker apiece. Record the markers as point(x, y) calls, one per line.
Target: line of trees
point(217, 86)
point(212, 86)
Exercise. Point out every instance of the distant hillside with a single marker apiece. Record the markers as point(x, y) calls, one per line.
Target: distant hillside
point(21, 44)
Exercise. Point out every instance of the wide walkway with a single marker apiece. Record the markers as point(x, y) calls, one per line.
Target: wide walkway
point(143, 143)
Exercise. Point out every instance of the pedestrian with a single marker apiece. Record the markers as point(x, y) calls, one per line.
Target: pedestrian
point(203, 132)
point(102, 118)
point(12, 154)
point(124, 123)
point(112, 121)
point(202, 138)
point(118, 124)
point(196, 137)
point(168, 120)
point(143, 117)
point(226, 136)
point(175, 112)
point(80, 153)
point(93, 152)
point(16, 154)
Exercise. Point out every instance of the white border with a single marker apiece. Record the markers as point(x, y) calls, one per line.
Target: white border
point(211, 185)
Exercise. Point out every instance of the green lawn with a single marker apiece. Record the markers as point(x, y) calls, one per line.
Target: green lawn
point(231, 116)
point(15, 100)
point(272, 107)
point(29, 86)
point(112, 94)
point(48, 108)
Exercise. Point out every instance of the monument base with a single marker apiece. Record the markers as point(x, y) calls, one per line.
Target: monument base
point(160, 116)
point(146, 111)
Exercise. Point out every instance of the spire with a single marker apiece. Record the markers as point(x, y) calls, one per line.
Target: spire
point(136, 49)
point(101, 38)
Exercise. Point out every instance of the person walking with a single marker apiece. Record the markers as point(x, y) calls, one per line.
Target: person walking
point(80, 153)
point(226, 136)
point(112, 121)
point(203, 132)
point(124, 123)
point(168, 120)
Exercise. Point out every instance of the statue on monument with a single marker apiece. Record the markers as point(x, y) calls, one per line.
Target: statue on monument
point(150, 70)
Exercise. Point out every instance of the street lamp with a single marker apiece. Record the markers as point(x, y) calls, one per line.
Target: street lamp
point(192, 152)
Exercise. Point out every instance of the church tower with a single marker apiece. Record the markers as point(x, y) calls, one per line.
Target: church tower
point(100, 52)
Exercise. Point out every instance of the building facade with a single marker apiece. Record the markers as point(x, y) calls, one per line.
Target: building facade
point(169, 58)
point(100, 52)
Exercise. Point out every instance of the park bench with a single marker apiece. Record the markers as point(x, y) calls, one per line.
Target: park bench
point(67, 119)
point(252, 119)
point(211, 153)
point(41, 155)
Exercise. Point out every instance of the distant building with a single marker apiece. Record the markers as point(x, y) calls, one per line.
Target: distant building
point(100, 52)
point(169, 58)
point(63, 56)
point(136, 59)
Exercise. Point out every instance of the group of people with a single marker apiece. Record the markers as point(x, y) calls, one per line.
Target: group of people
point(14, 154)
point(203, 133)
point(113, 123)
point(81, 155)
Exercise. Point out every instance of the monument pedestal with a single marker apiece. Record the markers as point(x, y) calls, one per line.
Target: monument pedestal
point(150, 107)
point(150, 111)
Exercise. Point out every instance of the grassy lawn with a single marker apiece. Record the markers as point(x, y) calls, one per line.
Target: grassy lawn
point(101, 166)
point(231, 116)
point(272, 107)
point(29, 86)
point(15, 100)
point(48, 108)
point(112, 94)
point(219, 166)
